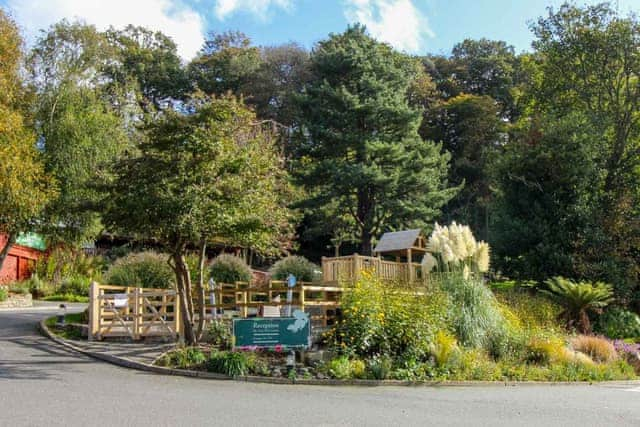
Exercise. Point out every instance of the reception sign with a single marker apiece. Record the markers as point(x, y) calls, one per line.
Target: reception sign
point(273, 333)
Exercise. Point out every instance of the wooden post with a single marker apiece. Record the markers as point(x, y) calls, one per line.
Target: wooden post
point(137, 315)
point(301, 296)
point(325, 270)
point(410, 265)
point(357, 266)
point(94, 311)
point(245, 300)
point(176, 317)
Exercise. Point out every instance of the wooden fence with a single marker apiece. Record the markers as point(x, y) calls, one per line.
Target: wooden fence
point(119, 311)
point(347, 269)
point(244, 300)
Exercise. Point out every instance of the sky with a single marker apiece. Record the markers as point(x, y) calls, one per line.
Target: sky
point(413, 26)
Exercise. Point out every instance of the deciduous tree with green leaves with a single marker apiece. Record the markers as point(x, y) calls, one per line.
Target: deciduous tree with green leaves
point(24, 187)
point(470, 128)
point(589, 63)
point(213, 172)
point(363, 150)
point(81, 132)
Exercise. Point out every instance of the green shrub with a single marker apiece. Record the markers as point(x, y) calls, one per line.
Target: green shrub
point(382, 319)
point(3, 294)
point(358, 369)
point(219, 334)
point(144, 269)
point(258, 366)
point(546, 351)
point(535, 311)
point(226, 268)
point(61, 263)
point(618, 323)
point(340, 368)
point(231, 363)
point(303, 269)
point(184, 358)
point(75, 285)
point(379, 367)
point(443, 347)
point(19, 288)
point(38, 287)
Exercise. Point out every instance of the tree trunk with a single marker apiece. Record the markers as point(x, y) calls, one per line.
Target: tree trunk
point(365, 242)
point(187, 284)
point(186, 309)
point(11, 238)
point(201, 307)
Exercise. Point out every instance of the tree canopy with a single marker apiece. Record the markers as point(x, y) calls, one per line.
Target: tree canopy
point(363, 150)
point(211, 173)
point(24, 187)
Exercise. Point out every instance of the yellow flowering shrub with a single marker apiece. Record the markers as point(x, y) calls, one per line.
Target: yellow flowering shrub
point(384, 319)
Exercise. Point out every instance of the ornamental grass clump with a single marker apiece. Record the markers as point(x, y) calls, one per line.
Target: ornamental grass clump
point(475, 313)
point(454, 248)
point(231, 363)
point(599, 349)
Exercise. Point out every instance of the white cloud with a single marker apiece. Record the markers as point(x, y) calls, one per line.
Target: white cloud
point(258, 8)
point(181, 23)
point(397, 22)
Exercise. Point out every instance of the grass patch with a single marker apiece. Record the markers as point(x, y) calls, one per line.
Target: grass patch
point(68, 331)
point(66, 298)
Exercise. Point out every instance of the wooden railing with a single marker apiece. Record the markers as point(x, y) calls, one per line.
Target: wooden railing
point(347, 269)
point(244, 300)
point(119, 311)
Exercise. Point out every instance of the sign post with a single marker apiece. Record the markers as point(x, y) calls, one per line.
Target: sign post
point(273, 333)
point(291, 283)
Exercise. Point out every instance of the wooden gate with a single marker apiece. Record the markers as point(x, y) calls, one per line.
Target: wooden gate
point(119, 311)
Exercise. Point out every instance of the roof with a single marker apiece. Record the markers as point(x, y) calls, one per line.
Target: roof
point(397, 240)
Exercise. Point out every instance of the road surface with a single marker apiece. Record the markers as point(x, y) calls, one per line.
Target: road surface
point(42, 384)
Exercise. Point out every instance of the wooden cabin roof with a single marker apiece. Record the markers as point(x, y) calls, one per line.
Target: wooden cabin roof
point(398, 241)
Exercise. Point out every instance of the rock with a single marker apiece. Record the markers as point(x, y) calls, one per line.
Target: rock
point(321, 376)
point(312, 358)
point(303, 371)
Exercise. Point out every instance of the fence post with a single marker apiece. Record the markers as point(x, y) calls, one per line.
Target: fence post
point(357, 266)
point(245, 301)
point(136, 313)
point(94, 311)
point(177, 317)
point(325, 270)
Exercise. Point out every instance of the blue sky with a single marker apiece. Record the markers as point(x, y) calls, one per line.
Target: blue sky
point(414, 26)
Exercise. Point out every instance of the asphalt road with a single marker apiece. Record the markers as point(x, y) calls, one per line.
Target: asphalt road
point(42, 384)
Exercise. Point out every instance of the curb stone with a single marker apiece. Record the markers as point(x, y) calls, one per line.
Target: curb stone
point(131, 364)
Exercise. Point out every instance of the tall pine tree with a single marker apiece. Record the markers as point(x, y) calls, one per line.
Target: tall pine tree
point(363, 152)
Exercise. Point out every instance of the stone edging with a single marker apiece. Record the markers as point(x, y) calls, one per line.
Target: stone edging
point(128, 363)
point(17, 301)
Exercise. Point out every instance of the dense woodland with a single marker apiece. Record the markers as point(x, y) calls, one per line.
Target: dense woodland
point(281, 149)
